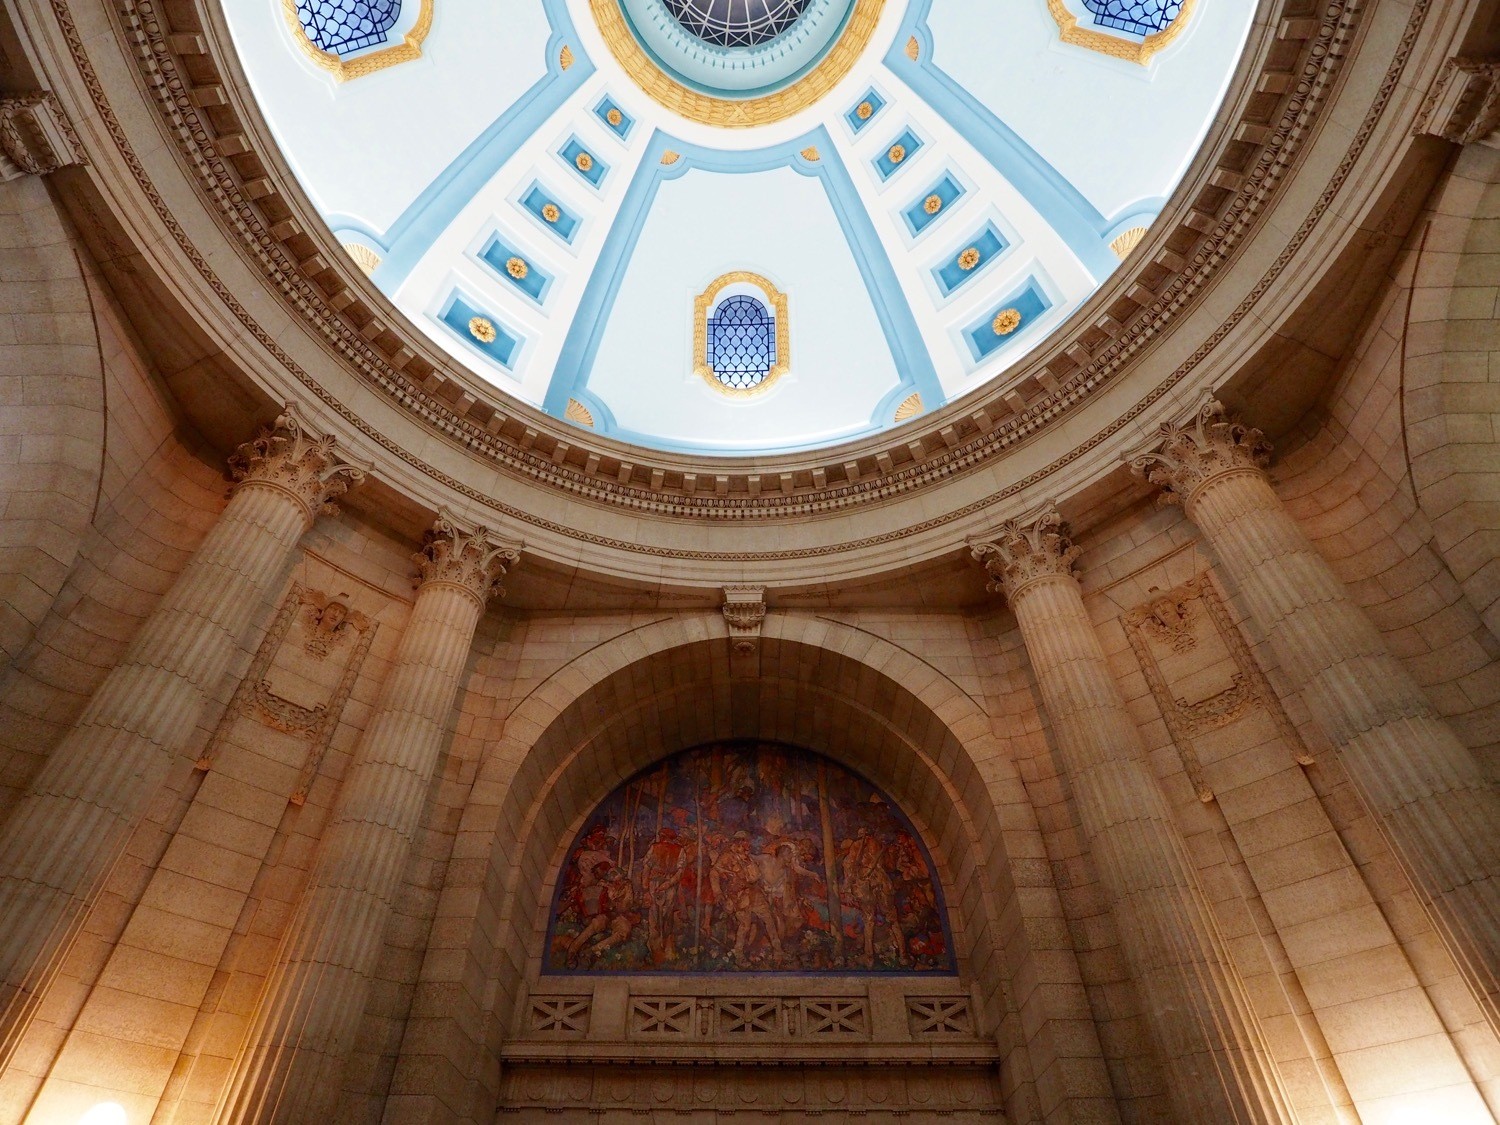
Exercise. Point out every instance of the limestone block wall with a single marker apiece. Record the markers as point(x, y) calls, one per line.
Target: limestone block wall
point(51, 389)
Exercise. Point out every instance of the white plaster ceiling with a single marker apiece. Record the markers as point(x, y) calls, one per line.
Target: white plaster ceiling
point(1054, 149)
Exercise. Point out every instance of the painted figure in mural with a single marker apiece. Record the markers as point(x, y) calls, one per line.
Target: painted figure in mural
point(868, 889)
point(737, 883)
point(747, 857)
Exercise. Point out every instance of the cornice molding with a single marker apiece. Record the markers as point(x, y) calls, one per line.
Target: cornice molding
point(1235, 181)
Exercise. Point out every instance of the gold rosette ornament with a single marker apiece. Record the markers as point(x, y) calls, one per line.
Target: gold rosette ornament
point(517, 268)
point(1006, 321)
point(932, 204)
point(968, 259)
point(482, 329)
point(864, 110)
point(584, 161)
point(615, 118)
point(897, 154)
point(550, 212)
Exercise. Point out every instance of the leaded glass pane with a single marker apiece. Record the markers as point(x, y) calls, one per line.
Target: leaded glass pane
point(1138, 17)
point(736, 23)
point(741, 342)
point(342, 27)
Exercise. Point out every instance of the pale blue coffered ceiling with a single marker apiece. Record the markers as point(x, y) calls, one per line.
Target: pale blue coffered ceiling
point(739, 226)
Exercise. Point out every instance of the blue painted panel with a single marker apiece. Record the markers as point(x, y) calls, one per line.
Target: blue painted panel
point(537, 202)
point(615, 119)
point(897, 153)
point(896, 319)
point(413, 234)
point(499, 255)
point(1064, 207)
point(952, 273)
point(457, 314)
point(920, 215)
point(584, 162)
point(1029, 301)
point(858, 121)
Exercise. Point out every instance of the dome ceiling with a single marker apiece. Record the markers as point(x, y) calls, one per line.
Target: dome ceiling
point(739, 226)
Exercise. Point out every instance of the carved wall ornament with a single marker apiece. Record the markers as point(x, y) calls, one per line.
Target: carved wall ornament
point(300, 678)
point(560, 1015)
point(1023, 550)
point(36, 137)
point(475, 560)
point(1187, 455)
point(939, 1015)
point(1181, 638)
point(307, 466)
point(739, 1018)
point(744, 613)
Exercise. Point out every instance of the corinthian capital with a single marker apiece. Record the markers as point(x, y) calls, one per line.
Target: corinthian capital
point(1023, 550)
point(305, 466)
point(1187, 455)
point(473, 560)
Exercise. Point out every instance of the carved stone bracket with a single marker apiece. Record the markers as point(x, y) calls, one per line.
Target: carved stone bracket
point(306, 466)
point(744, 613)
point(1463, 105)
point(1023, 550)
point(1187, 455)
point(36, 137)
point(475, 560)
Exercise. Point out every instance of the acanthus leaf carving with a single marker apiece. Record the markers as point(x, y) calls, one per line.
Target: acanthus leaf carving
point(36, 137)
point(307, 466)
point(1025, 549)
point(1187, 455)
point(473, 559)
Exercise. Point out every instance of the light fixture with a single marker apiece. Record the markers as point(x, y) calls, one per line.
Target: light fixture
point(105, 1113)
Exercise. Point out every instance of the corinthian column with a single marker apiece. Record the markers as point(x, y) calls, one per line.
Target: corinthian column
point(1217, 1065)
point(62, 838)
point(1439, 811)
point(291, 1065)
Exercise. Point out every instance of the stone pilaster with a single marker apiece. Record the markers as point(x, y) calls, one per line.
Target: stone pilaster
point(66, 832)
point(290, 1068)
point(1437, 807)
point(1207, 1040)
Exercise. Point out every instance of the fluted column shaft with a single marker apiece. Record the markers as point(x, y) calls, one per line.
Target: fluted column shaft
point(290, 1069)
point(1439, 810)
point(1216, 1062)
point(64, 835)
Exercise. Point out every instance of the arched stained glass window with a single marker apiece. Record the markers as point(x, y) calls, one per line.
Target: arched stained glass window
point(342, 27)
point(1138, 17)
point(741, 342)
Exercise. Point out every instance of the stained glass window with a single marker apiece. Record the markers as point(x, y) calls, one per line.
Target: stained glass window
point(1138, 17)
point(342, 27)
point(741, 342)
point(736, 23)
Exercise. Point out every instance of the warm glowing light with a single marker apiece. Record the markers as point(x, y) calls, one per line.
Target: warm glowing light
point(105, 1113)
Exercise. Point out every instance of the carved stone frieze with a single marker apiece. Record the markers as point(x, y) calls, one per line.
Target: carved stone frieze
point(1187, 455)
point(740, 1018)
point(36, 137)
point(1023, 550)
point(307, 466)
point(1208, 229)
point(300, 678)
point(473, 559)
point(1200, 670)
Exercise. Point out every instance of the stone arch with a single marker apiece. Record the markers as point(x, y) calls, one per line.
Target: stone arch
point(830, 687)
point(1450, 394)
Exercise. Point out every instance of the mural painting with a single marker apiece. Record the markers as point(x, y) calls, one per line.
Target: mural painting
point(747, 857)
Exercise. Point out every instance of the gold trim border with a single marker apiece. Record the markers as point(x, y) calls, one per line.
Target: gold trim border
point(408, 49)
point(705, 301)
point(731, 113)
point(1113, 45)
